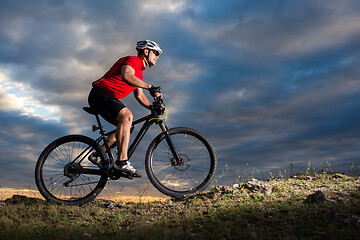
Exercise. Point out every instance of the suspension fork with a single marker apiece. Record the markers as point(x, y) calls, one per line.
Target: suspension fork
point(169, 141)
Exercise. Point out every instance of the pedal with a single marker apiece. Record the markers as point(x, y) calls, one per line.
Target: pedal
point(127, 176)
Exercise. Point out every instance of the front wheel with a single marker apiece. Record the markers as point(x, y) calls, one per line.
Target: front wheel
point(195, 170)
point(60, 171)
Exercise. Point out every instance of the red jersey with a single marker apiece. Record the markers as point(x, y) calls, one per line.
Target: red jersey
point(112, 83)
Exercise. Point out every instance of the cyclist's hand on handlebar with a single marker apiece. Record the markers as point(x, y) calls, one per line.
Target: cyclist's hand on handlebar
point(157, 107)
point(155, 91)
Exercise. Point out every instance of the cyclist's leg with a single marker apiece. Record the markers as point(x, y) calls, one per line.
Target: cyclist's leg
point(111, 141)
point(122, 134)
point(124, 122)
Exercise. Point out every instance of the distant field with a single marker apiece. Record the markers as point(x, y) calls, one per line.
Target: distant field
point(6, 193)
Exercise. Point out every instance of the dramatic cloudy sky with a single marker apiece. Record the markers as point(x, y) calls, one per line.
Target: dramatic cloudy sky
point(273, 84)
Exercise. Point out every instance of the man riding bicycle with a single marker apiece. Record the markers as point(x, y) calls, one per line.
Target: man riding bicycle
point(124, 77)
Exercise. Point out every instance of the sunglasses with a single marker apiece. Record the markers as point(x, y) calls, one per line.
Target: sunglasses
point(156, 53)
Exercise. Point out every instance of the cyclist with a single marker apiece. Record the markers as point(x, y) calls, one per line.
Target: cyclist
point(124, 77)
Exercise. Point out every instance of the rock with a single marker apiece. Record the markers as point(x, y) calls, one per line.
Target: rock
point(318, 197)
point(309, 178)
point(257, 186)
point(225, 189)
point(16, 199)
point(338, 175)
point(111, 204)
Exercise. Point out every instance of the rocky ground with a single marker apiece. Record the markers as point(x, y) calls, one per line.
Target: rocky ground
point(318, 206)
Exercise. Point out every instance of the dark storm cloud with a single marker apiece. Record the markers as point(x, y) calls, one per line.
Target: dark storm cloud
point(272, 104)
point(22, 140)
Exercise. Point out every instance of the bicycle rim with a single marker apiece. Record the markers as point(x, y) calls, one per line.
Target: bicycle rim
point(56, 176)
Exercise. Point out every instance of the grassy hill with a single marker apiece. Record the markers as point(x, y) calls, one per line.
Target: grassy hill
point(320, 206)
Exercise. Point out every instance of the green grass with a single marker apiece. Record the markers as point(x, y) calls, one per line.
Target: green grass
point(233, 214)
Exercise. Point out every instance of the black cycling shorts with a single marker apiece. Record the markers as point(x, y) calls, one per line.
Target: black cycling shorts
point(105, 104)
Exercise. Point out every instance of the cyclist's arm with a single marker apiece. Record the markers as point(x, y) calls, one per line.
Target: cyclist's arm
point(141, 98)
point(128, 76)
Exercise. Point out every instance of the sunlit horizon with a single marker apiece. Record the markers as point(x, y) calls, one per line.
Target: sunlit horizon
point(6, 193)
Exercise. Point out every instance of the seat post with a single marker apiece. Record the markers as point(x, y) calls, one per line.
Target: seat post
point(100, 127)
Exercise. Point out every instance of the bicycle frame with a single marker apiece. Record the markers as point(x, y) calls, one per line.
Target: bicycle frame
point(148, 121)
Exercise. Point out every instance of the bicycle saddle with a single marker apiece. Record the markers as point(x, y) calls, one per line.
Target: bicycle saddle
point(90, 110)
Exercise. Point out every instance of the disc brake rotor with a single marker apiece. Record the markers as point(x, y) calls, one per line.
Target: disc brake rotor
point(184, 163)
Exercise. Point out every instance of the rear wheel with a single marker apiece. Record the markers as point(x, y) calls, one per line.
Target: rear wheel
point(195, 170)
point(59, 172)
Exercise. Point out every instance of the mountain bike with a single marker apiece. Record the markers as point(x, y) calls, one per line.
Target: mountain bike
point(178, 162)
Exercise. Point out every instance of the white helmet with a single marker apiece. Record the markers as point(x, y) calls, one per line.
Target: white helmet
point(148, 44)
